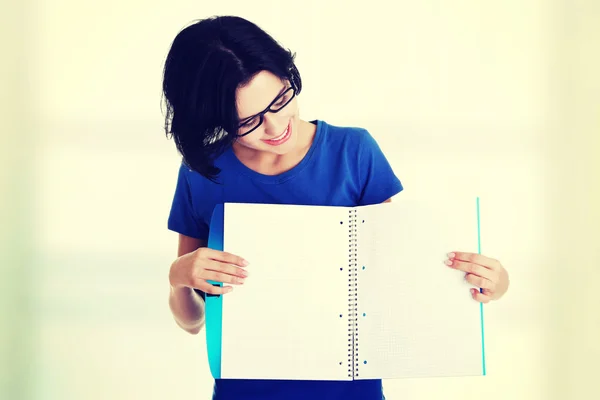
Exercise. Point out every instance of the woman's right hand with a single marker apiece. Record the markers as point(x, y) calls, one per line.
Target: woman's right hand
point(194, 269)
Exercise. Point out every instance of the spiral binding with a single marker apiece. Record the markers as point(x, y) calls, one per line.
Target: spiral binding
point(352, 295)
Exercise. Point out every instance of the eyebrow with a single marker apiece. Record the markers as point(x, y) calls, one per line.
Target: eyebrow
point(283, 89)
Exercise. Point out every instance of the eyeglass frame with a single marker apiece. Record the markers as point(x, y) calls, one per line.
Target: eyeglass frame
point(261, 114)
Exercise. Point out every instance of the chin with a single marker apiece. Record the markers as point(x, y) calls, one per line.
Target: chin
point(284, 142)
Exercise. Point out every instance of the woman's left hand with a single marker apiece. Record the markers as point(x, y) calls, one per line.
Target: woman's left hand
point(483, 272)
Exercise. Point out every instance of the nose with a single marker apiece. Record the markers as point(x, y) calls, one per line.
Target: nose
point(274, 126)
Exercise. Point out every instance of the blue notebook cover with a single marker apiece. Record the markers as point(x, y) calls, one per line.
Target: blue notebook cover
point(214, 304)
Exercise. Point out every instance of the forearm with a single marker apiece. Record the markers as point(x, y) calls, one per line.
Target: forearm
point(188, 309)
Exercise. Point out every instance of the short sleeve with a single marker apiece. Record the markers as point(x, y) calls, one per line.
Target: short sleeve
point(378, 180)
point(183, 218)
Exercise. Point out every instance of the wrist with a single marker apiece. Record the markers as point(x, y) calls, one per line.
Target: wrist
point(174, 281)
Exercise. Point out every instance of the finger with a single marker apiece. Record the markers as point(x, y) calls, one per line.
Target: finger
point(220, 277)
point(224, 256)
point(213, 289)
point(471, 268)
point(475, 259)
point(480, 282)
point(217, 266)
point(480, 297)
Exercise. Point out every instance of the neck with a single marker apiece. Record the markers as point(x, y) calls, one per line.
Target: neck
point(273, 164)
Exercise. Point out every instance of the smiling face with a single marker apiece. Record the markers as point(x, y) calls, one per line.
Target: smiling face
point(278, 132)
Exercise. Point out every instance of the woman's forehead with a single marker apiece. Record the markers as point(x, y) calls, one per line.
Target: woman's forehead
point(258, 94)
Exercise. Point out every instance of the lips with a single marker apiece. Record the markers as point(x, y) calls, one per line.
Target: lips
point(285, 135)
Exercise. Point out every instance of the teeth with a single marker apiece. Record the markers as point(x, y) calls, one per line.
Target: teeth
point(280, 136)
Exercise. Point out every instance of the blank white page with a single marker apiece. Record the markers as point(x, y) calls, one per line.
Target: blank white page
point(416, 315)
point(288, 321)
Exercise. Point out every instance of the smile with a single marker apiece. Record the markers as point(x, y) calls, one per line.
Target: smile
point(281, 138)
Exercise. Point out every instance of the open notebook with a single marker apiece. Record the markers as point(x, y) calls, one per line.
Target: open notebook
point(346, 293)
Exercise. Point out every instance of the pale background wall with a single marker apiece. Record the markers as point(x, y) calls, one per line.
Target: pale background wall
point(495, 98)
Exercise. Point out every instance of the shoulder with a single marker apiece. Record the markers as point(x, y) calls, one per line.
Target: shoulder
point(193, 202)
point(356, 150)
point(202, 193)
point(192, 178)
point(353, 141)
point(353, 135)
point(196, 182)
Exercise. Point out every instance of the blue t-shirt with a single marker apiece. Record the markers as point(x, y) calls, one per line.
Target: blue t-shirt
point(343, 167)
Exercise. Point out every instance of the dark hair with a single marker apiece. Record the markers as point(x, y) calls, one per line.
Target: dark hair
point(207, 62)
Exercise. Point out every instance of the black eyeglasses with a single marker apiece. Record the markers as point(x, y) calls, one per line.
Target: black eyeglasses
point(250, 124)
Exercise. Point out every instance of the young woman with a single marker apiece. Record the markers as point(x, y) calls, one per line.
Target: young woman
point(232, 109)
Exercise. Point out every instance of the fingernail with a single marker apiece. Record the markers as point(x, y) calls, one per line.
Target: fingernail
point(240, 280)
point(244, 273)
point(245, 263)
point(448, 262)
point(451, 255)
